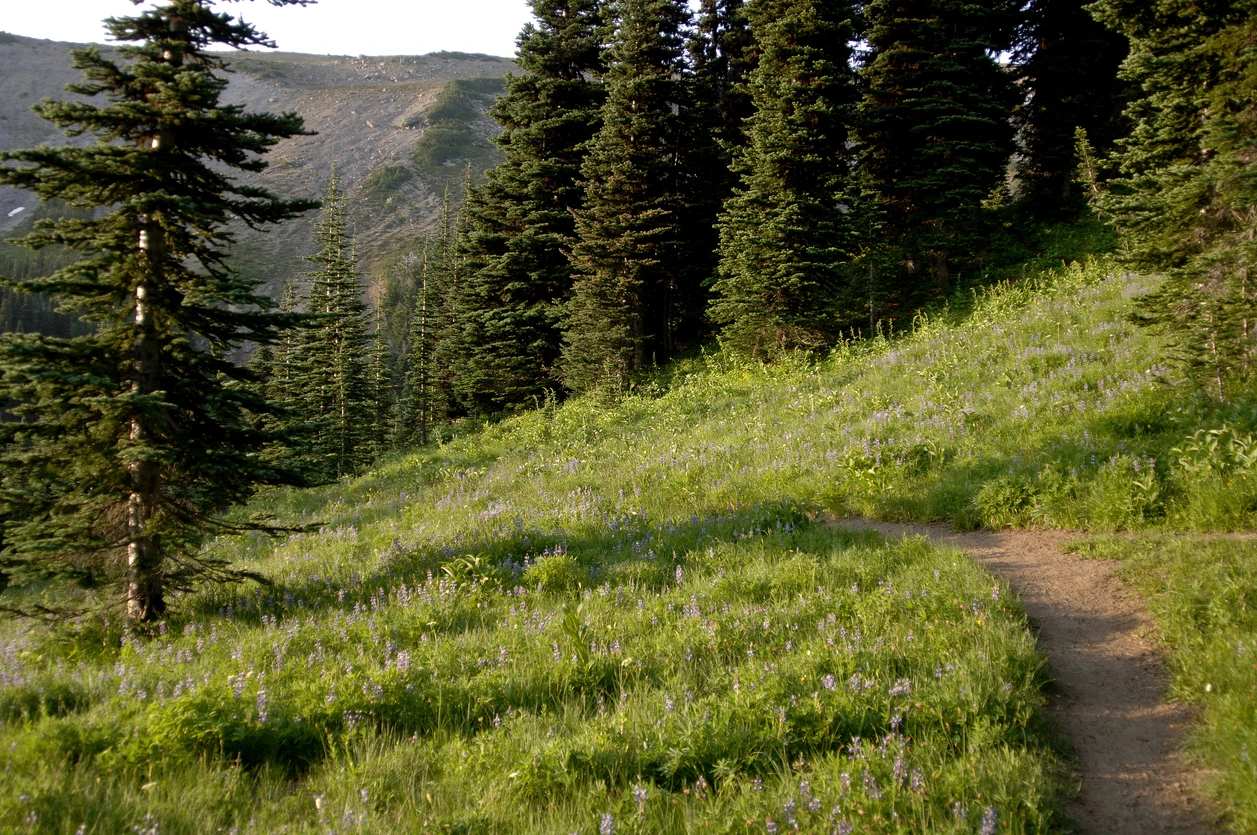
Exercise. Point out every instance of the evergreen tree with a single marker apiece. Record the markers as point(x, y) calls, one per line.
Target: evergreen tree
point(421, 392)
point(135, 437)
point(936, 126)
point(383, 393)
point(631, 247)
point(785, 235)
point(331, 381)
point(519, 225)
point(439, 282)
point(722, 52)
point(1185, 197)
point(1068, 63)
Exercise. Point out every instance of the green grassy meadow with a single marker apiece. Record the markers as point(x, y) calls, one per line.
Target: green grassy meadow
point(630, 616)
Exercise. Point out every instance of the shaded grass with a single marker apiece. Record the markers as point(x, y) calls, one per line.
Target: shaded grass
point(771, 669)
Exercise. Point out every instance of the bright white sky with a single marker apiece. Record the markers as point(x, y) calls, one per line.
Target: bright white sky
point(335, 27)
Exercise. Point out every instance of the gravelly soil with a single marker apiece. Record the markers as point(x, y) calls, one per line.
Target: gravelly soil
point(1110, 686)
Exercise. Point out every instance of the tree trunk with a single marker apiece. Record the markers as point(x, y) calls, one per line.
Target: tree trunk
point(145, 587)
point(145, 601)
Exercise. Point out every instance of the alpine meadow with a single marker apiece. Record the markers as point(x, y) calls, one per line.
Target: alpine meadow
point(719, 416)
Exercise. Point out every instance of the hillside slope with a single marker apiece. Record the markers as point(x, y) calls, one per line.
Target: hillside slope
point(369, 113)
point(628, 617)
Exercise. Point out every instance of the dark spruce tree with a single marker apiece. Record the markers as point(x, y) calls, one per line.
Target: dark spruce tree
point(424, 402)
point(936, 128)
point(631, 249)
point(331, 378)
point(519, 224)
point(722, 53)
point(785, 235)
point(1068, 65)
point(133, 439)
point(1185, 195)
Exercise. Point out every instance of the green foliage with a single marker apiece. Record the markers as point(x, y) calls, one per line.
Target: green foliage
point(383, 182)
point(630, 235)
point(936, 130)
point(330, 366)
point(1185, 191)
point(441, 144)
point(133, 439)
point(432, 346)
point(783, 236)
point(450, 135)
point(23, 312)
point(505, 347)
point(714, 682)
point(1006, 501)
point(1068, 64)
point(1203, 593)
point(1038, 400)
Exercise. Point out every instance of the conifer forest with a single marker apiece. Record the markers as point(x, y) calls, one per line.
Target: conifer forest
point(719, 416)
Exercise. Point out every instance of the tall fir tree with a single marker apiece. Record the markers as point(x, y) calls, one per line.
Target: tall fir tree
point(519, 224)
point(631, 245)
point(331, 380)
point(424, 404)
point(1067, 63)
point(442, 278)
point(722, 54)
point(134, 438)
point(936, 127)
point(1185, 196)
point(383, 396)
point(785, 235)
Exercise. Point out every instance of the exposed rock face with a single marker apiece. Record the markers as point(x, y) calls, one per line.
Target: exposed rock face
point(369, 113)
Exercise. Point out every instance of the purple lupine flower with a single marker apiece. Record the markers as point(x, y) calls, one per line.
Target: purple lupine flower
point(639, 797)
point(607, 825)
point(989, 819)
point(871, 787)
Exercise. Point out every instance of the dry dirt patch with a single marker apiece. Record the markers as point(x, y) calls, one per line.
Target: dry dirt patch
point(1110, 686)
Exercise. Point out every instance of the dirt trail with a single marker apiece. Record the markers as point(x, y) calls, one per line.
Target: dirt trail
point(1110, 687)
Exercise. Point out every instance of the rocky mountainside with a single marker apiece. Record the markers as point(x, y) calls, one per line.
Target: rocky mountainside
point(399, 130)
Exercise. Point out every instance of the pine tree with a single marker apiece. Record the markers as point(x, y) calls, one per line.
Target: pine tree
point(718, 102)
point(630, 235)
point(134, 438)
point(331, 381)
point(519, 224)
point(784, 235)
point(442, 279)
point(1068, 64)
point(383, 399)
point(936, 126)
point(1185, 197)
point(423, 396)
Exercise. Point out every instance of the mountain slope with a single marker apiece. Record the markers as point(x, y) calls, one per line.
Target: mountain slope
point(369, 113)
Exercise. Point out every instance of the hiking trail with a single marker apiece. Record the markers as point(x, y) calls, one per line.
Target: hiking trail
point(1110, 687)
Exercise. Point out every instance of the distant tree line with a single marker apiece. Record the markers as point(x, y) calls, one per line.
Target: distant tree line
point(777, 173)
point(773, 173)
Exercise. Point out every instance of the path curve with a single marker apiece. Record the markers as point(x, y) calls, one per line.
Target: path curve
point(1109, 694)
